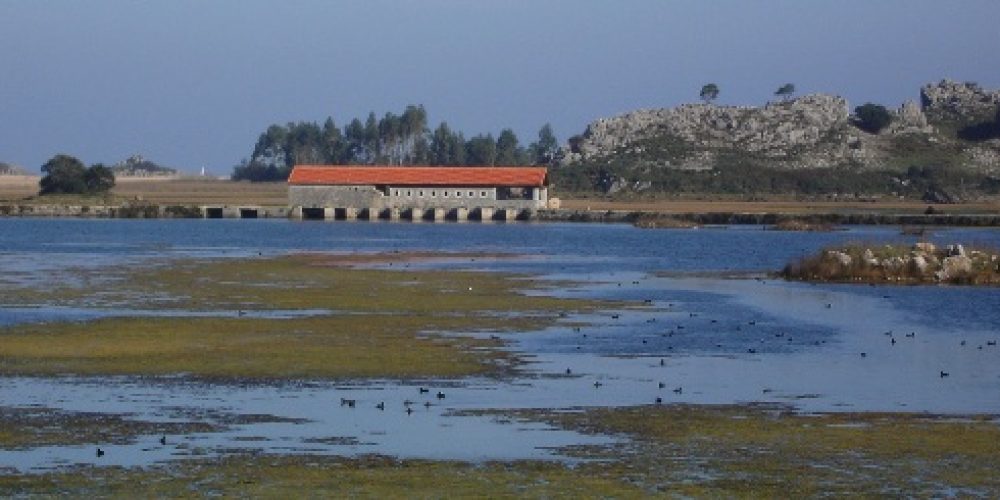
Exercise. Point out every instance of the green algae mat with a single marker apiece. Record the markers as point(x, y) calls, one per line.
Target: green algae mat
point(306, 316)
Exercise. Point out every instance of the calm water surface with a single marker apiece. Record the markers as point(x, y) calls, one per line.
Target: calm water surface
point(711, 337)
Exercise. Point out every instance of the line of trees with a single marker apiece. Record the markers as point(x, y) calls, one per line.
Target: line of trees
point(403, 139)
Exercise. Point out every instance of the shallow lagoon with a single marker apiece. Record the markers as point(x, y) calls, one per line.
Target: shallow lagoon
point(722, 339)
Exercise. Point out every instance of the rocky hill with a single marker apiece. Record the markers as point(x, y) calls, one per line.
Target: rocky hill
point(137, 166)
point(955, 126)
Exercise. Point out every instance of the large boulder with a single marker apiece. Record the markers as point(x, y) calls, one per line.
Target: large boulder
point(954, 267)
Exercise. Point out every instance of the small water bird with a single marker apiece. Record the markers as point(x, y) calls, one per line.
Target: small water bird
point(348, 402)
point(409, 410)
point(864, 354)
point(381, 405)
point(662, 362)
point(829, 306)
point(597, 384)
point(615, 316)
point(962, 343)
point(661, 385)
point(100, 452)
point(944, 374)
point(992, 343)
point(407, 402)
point(892, 341)
point(659, 400)
point(911, 335)
point(423, 390)
point(679, 390)
point(569, 371)
point(440, 395)
point(163, 440)
point(752, 350)
point(427, 404)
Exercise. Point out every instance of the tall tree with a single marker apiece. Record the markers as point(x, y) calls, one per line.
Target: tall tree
point(371, 139)
point(354, 136)
point(481, 150)
point(441, 143)
point(544, 150)
point(709, 92)
point(63, 174)
point(389, 134)
point(785, 91)
point(507, 148)
point(872, 118)
point(99, 179)
point(457, 150)
point(333, 142)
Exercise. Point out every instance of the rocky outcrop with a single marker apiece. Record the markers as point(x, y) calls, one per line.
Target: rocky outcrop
point(813, 131)
point(921, 263)
point(8, 169)
point(771, 131)
point(910, 119)
point(137, 166)
point(952, 101)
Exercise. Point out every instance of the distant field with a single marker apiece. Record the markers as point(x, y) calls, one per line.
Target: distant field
point(175, 191)
point(200, 191)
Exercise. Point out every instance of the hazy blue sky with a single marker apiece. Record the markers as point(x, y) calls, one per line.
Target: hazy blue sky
point(192, 83)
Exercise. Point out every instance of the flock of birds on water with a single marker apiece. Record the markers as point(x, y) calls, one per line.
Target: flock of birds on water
point(409, 404)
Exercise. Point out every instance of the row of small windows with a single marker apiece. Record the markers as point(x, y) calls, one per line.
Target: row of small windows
point(433, 194)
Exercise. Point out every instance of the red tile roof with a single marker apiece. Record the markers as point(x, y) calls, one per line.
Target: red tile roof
point(325, 175)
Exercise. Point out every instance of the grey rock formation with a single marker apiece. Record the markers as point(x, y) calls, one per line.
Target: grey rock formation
point(954, 267)
point(948, 100)
point(771, 131)
point(910, 119)
point(813, 131)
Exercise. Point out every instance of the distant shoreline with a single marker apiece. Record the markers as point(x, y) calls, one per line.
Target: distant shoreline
point(696, 218)
point(187, 197)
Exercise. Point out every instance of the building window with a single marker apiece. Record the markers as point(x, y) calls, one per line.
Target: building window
point(445, 194)
point(397, 193)
point(458, 194)
point(483, 194)
point(433, 194)
point(471, 194)
point(421, 194)
point(409, 193)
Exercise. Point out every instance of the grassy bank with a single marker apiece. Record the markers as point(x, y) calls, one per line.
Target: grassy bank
point(699, 451)
point(361, 322)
